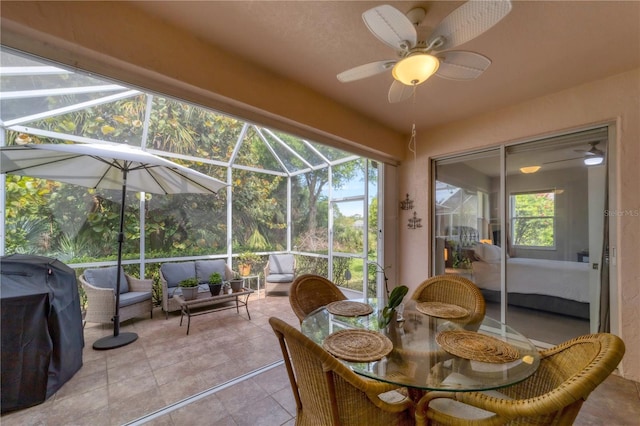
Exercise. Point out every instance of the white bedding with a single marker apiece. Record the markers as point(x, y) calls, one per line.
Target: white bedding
point(569, 280)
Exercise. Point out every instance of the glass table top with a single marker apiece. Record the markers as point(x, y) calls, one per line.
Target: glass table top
point(431, 353)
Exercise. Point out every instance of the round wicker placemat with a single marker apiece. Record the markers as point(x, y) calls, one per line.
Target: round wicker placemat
point(358, 345)
point(442, 310)
point(347, 308)
point(476, 347)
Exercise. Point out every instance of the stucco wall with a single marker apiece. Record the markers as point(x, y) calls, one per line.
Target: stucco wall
point(615, 99)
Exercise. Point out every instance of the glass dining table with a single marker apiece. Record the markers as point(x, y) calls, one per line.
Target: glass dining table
point(426, 350)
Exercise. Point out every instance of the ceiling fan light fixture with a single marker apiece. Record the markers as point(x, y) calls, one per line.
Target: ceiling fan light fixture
point(593, 160)
point(415, 69)
point(529, 169)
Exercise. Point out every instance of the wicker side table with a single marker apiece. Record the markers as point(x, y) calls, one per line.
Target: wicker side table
point(206, 304)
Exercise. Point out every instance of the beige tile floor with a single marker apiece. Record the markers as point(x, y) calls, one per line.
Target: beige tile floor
point(145, 382)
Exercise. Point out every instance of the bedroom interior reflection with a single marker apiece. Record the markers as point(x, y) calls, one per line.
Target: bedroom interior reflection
point(548, 220)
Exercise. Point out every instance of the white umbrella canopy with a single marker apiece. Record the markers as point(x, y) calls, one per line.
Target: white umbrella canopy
point(102, 166)
point(108, 166)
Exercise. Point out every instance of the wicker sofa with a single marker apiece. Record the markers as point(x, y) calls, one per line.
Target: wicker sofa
point(171, 273)
point(100, 284)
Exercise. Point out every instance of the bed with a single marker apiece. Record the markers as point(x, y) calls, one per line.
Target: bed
point(548, 285)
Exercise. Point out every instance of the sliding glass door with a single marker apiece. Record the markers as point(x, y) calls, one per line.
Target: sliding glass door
point(525, 223)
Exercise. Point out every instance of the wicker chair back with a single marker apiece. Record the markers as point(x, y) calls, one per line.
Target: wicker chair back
point(553, 395)
point(327, 392)
point(309, 292)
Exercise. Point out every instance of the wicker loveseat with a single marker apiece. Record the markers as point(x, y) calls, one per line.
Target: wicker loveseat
point(99, 285)
point(171, 273)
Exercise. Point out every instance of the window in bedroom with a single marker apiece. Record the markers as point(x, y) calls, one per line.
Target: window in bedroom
point(533, 219)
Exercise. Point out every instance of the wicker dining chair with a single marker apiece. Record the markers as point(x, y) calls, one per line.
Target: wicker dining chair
point(553, 395)
point(455, 290)
point(309, 292)
point(328, 393)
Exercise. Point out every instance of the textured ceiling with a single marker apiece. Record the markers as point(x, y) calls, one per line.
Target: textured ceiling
point(539, 48)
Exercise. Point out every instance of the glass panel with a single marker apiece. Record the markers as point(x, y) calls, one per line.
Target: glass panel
point(373, 226)
point(302, 148)
point(554, 205)
point(309, 212)
point(185, 225)
point(255, 153)
point(330, 153)
point(466, 209)
point(82, 108)
point(286, 148)
point(347, 273)
point(259, 211)
point(68, 222)
point(548, 219)
point(32, 87)
point(180, 128)
point(348, 227)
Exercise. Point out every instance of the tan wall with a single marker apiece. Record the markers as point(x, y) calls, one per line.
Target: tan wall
point(615, 99)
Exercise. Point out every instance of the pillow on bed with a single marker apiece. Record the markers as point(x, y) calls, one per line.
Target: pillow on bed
point(487, 252)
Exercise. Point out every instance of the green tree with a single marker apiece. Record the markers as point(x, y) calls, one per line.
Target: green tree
point(533, 219)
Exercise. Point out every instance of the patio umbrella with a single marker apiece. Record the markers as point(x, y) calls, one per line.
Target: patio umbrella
point(108, 166)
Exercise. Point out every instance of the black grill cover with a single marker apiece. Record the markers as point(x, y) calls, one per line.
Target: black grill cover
point(42, 337)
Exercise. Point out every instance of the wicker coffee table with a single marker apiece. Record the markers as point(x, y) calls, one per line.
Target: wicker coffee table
point(206, 304)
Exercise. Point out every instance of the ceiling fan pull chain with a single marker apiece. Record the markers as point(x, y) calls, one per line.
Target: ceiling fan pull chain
point(412, 141)
point(412, 148)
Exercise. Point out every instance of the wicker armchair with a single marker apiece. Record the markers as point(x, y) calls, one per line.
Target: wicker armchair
point(328, 393)
point(309, 292)
point(455, 290)
point(99, 286)
point(279, 272)
point(553, 395)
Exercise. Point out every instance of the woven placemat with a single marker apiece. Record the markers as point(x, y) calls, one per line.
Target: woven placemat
point(358, 345)
point(347, 308)
point(442, 310)
point(476, 347)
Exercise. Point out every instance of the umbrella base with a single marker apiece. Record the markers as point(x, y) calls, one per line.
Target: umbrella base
point(112, 342)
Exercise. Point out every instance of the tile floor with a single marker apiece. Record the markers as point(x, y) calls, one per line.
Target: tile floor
point(145, 382)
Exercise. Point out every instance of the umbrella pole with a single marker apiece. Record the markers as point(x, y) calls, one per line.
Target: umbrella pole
point(118, 339)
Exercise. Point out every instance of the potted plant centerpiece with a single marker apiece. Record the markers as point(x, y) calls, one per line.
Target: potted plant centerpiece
point(395, 299)
point(215, 283)
point(245, 261)
point(189, 287)
point(236, 283)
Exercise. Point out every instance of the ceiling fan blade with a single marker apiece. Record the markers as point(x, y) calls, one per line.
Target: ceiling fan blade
point(461, 65)
point(398, 92)
point(566, 159)
point(366, 70)
point(468, 22)
point(391, 27)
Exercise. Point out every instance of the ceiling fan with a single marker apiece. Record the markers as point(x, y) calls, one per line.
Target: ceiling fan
point(419, 59)
point(591, 157)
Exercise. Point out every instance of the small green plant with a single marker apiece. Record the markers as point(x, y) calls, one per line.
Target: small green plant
point(236, 275)
point(189, 282)
point(395, 298)
point(215, 278)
